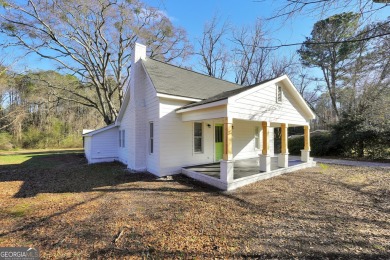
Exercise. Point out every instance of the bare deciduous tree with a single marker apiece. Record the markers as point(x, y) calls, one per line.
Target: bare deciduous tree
point(92, 40)
point(308, 87)
point(321, 8)
point(33, 116)
point(368, 76)
point(214, 56)
point(250, 61)
point(253, 64)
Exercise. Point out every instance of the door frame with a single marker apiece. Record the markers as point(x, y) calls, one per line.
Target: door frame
point(215, 146)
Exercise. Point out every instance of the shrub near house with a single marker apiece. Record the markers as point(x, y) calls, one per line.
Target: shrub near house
point(348, 138)
point(321, 144)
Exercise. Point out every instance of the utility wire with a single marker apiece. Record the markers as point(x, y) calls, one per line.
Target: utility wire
point(317, 43)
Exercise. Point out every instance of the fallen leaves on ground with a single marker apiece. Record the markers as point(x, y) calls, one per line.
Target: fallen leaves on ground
point(69, 209)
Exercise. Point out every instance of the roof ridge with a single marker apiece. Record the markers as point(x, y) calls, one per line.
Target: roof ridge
point(263, 81)
point(189, 70)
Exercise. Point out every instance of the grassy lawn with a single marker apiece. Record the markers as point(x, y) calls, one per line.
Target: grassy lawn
point(68, 209)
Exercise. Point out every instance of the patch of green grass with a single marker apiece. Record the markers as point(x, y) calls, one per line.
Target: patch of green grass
point(33, 159)
point(356, 179)
point(379, 247)
point(324, 167)
point(13, 159)
point(53, 197)
point(19, 210)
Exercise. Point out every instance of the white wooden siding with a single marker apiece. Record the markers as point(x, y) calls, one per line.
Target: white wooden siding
point(176, 139)
point(243, 139)
point(152, 114)
point(143, 107)
point(260, 105)
point(204, 114)
point(125, 124)
point(87, 147)
point(103, 146)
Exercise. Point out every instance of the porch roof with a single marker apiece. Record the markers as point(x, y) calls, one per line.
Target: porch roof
point(225, 95)
point(96, 131)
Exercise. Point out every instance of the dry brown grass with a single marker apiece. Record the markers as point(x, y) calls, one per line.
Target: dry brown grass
point(68, 209)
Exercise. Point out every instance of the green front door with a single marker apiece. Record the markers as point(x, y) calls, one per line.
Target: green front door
point(218, 142)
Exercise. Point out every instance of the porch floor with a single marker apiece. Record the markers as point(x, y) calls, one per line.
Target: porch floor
point(242, 168)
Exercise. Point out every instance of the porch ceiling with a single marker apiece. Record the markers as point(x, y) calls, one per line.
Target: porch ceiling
point(272, 124)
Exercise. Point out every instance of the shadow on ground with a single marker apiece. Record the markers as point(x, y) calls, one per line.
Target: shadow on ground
point(334, 213)
point(69, 172)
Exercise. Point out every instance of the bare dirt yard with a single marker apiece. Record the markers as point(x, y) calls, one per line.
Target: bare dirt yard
point(68, 209)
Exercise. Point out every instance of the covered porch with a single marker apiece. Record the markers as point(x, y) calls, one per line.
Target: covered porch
point(242, 168)
point(231, 173)
point(247, 118)
point(246, 171)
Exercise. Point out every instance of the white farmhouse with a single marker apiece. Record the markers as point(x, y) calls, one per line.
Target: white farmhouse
point(175, 120)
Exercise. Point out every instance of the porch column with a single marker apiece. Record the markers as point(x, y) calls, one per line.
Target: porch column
point(283, 156)
point(264, 126)
point(265, 158)
point(305, 153)
point(227, 139)
point(227, 165)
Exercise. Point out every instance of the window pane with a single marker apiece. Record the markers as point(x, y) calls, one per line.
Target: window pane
point(218, 134)
point(123, 138)
point(198, 129)
point(151, 137)
point(279, 93)
point(198, 135)
point(198, 144)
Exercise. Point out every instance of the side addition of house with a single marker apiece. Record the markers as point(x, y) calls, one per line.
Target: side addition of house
point(175, 120)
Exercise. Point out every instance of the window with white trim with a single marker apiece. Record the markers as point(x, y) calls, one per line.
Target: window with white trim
point(257, 138)
point(120, 138)
point(151, 137)
point(279, 94)
point(198, 137)
point(123, 138)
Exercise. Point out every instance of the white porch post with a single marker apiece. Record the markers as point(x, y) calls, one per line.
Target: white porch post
point(227, 165)
point(283, 156)
point(265, 158)
point(305, 153)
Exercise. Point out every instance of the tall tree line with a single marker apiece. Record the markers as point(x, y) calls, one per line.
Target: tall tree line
point(92, 40)
point(90, 43)
point(32, 115)
point(224, 48)
point(354, 65)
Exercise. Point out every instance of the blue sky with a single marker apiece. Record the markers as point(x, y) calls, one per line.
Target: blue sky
point(192, 15)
